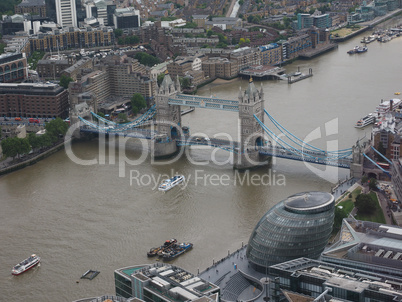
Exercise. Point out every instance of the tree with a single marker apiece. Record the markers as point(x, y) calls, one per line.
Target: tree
point(14, 146)
point(340, 214)
point(34, 141)
point(118, 32)
point(9, 147)
point(160, 78)
point(372, 184)
point(56, 128)
point(146, 59)
point(122, 117)
point(138, 102)
point(45, 140)
point(365, 204)
point(364, 179)
point(185, 82)
point(65, 80)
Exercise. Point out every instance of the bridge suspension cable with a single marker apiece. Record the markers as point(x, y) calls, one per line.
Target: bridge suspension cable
point(292, 149)
point(379, 153)
point(114, 127)
point(378, 166)
point(304, 152)
point(106, 121)
point(303, 145)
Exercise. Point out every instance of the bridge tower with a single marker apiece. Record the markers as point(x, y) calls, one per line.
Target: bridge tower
point(168, 118)
point(356, 167)
point(251, 102)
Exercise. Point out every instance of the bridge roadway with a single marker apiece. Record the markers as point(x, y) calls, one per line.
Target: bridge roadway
point(204, 102)
point(134, 132)
point(318, 157)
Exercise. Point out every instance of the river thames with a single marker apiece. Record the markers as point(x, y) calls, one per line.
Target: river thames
point(79, 217)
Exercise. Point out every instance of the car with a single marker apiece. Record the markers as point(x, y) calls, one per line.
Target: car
point(18, 119)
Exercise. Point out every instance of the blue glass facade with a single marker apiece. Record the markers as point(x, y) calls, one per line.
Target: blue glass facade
point(298, 226)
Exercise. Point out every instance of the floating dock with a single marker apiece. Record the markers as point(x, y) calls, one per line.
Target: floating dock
point(294, 79)
point(90, 274)
point(262, 72)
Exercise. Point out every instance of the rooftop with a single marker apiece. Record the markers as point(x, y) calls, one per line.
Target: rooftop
point(32, 3)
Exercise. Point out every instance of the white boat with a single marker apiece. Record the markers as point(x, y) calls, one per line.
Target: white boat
point(25, 265)
point(167, 184)
point(385, 106)
point(365, 121)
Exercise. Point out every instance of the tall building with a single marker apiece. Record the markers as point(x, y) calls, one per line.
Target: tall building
point(126, 18)
point(66, 13)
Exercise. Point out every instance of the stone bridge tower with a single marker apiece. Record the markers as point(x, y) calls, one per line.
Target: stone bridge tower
point(251, 102)
point(356, 167)
point(168, 118)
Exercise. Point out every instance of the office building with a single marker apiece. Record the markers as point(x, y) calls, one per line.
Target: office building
point(164, 283)
point(126, 18)
point(66, 13)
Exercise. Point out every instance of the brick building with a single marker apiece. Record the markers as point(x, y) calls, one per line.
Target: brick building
point(51, 68)
point(33, 7)
point(72, 38)
point(33, 100)
point(217, 67)
point(13, 68)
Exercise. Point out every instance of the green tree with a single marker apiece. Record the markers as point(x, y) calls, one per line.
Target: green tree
point(14, 146)
point(9, 147)
point(45, 140)
point(138, 102)
point(340, 214)
point(122, 117)
point(160, 78)
point(146, 59)
point(35, 141)
point(364, 179)
point(56, 128)
point(118, 32)
point(372, 184)
point(190, 25)
point(365, 204)
point(185, 82)
point(65, 80)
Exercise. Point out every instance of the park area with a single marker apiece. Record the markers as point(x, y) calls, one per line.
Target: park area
point(346, 206)
point(345, 31)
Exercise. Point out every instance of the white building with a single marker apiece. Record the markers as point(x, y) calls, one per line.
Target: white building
point(66, 13)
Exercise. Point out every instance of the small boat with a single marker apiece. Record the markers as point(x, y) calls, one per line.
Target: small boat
point(155, 251)
point(25, 265)
point(168, 184)
point(176, 250)
point(354, 50)
point(397, 93)
point(361, 49)
point(365, 121)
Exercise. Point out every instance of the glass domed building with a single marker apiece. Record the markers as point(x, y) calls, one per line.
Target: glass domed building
point(298, 226)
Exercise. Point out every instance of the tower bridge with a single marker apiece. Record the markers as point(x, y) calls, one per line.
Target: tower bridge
point(257, 142)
